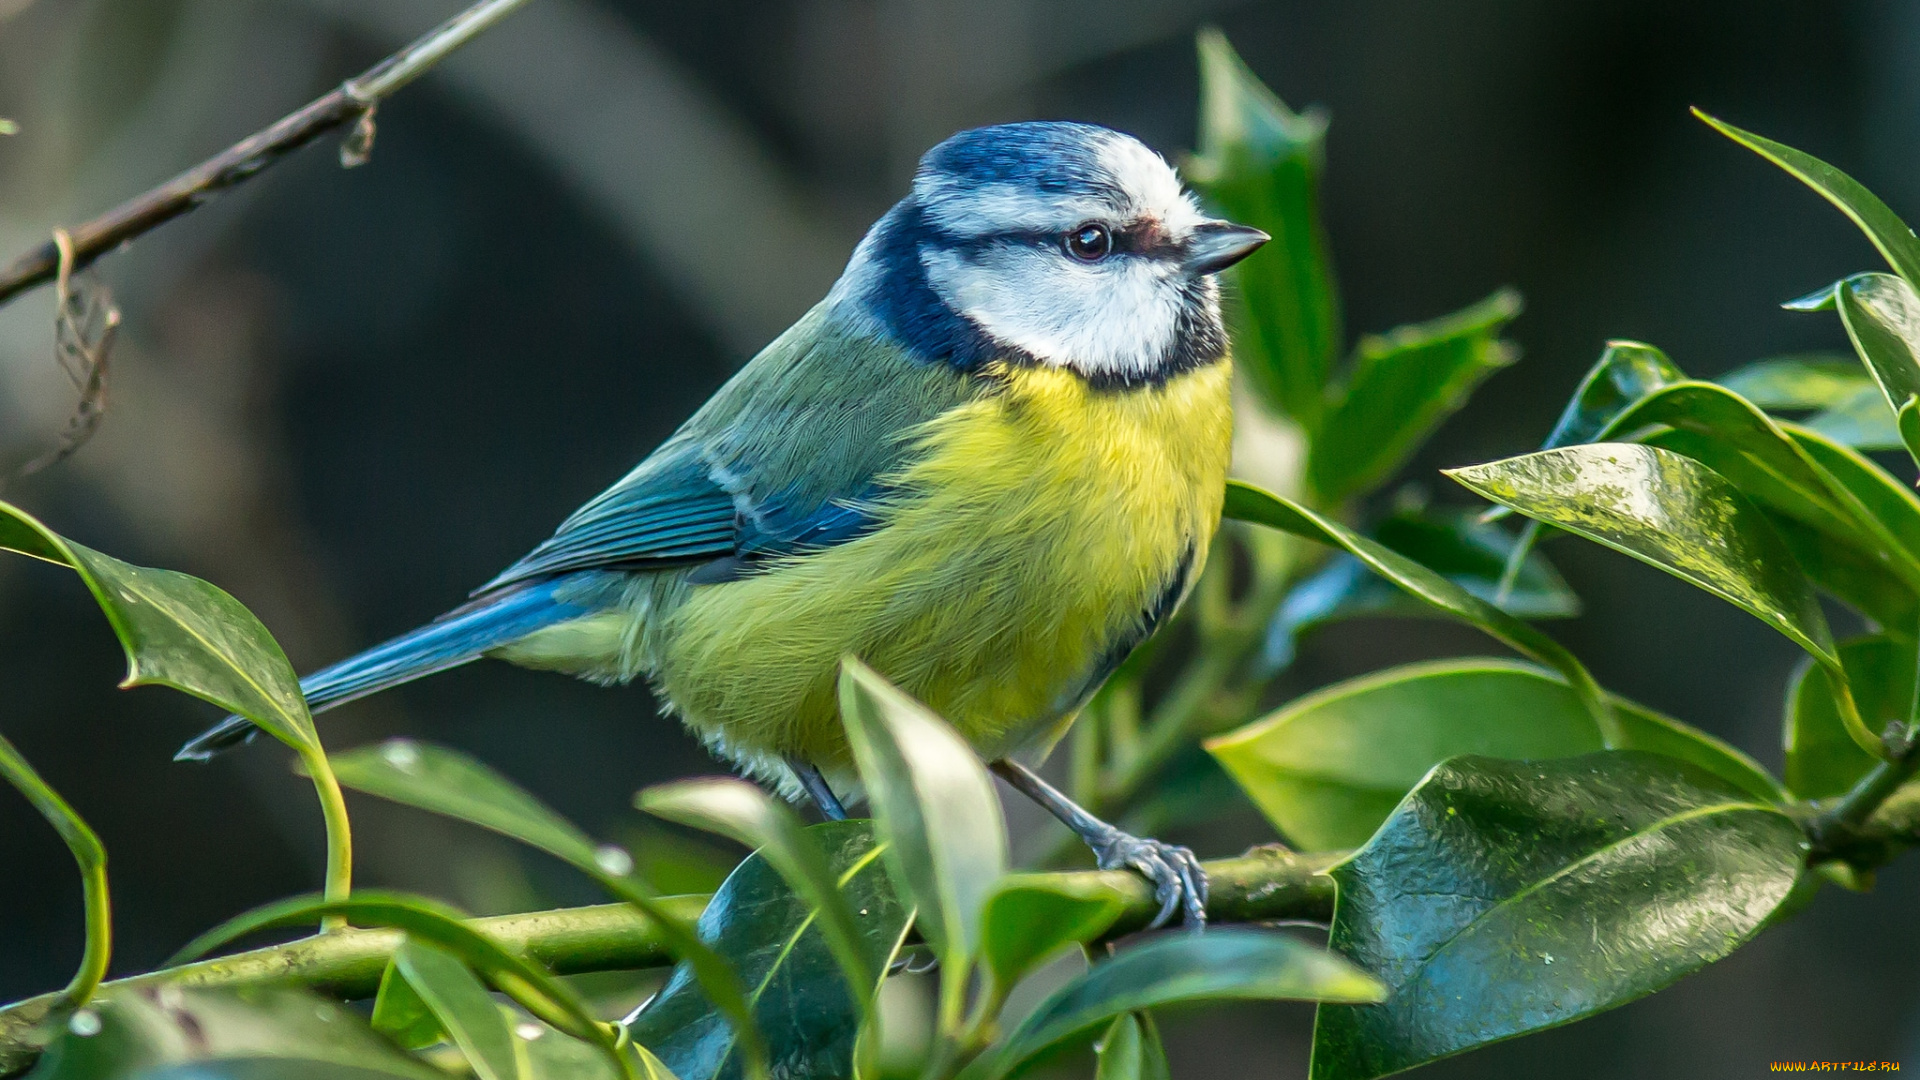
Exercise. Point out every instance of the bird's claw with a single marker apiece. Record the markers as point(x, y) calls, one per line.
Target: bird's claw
point(1179, 882)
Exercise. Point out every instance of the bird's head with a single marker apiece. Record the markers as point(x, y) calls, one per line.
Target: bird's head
point(1060, 244)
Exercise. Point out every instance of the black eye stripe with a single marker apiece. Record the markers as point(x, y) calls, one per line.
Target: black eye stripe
point(1143, 240)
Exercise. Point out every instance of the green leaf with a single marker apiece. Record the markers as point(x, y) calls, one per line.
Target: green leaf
point(1807, 381)
point(1861, 421)
point(1882, 316)
point(450, 783)
point(1328, 768)
point(181, 632)
point(91, 856)
point(1883, 227)
point(1247, 503)
point(1751, 451)
point(1670, 512)
point(1887, 502)
point(1223, 964)
point(1463, 549)
point(935, 806)
point(1627, 373)
point(739, 810)
point(8, 127)
point(1822, 759)
point(1846, 402)
point(254, 1032)
point(401, 1014)
point(550, 1055)
point(446, 782)
point(461, 1004)
point(1851, 527)
point(434, 923)
point(1401, 387)
point(1032, 918)
point(771, 934)
point(1505, 897)
point(1259, 165)
point(1131, 1050)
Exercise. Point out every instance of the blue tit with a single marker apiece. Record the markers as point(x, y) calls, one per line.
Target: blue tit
point(989, 463)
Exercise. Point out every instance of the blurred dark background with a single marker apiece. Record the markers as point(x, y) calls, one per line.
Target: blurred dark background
point(347, 397)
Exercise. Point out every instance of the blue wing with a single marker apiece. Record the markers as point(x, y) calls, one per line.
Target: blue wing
point(674, 512)
point(667, 513)
point(669, 510)
point(786, 458)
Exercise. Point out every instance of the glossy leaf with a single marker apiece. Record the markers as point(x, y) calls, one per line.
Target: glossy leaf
point(739, 810)
point(1131, 1050)
point(1807, 382)
point(254, 1032)
point(181, 632)
point(1505, 897)
point(88, 853)
point(1877, 496)
point(1847, 523)
point(1032, 918)
point(1247, 503)
point(1882, 316)
point(1752, 452)
point(450, 783)
point(434, 923)
point(1223, 964)
point(1822, 759)
point(1464, 550)
point(1670, 512)
point(1627, 373)
point(935, 806)
point(771, 934)
point(1259, 165)
point(461, 1004)
point(1402, 386)
point(1849, 575)
point(1882, 226)
point(1330, 767)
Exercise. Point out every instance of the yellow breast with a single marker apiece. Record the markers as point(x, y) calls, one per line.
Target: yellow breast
point(1032, 529)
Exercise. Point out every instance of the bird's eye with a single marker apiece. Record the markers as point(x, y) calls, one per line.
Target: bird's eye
point(1089, 242)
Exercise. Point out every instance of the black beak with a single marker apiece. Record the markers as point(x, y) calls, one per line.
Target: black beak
point(1216, 245)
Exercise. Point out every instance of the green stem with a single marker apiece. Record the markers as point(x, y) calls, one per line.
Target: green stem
point(89, 854)
point(333, 807)
point(1873, 789)
point(1846, 829)
point(99, 914)
point(1263, 885)
point(1849, 710)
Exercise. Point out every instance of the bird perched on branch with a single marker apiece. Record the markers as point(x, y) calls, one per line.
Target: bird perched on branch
point(989, 464)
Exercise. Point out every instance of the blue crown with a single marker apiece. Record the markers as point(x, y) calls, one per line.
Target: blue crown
point(1053, 156)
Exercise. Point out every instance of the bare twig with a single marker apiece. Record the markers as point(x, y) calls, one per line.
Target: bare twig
point(352, 100)
point(84, 324)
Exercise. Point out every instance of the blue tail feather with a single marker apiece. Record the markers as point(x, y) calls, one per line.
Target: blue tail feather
point(448, 642)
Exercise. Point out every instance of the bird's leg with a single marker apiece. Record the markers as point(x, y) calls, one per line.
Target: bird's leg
point(816, 785)
point(1178, 880)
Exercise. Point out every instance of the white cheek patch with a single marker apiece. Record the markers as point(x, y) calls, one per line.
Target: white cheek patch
point(1116, 317)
